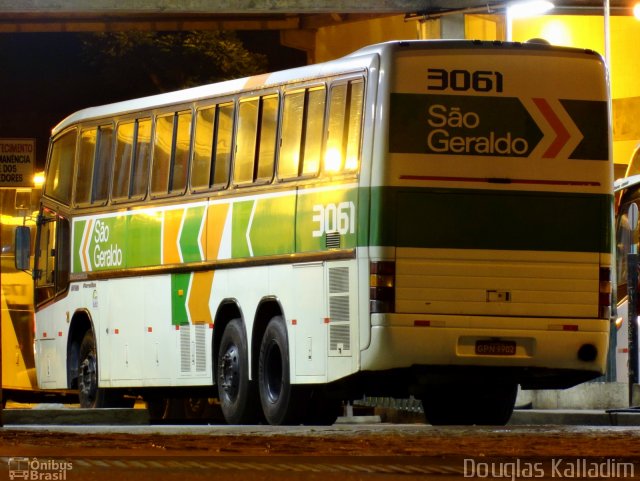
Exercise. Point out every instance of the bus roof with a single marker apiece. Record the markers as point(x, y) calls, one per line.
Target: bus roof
point(360, 59)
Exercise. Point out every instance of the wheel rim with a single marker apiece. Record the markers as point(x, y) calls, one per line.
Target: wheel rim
point(88, 379)
point(273, 372)
point(230, 373)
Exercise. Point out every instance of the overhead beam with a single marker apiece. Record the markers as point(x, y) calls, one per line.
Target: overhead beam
point(213, 7)
point(159, 23)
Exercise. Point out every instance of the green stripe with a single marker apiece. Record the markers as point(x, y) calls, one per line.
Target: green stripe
point(190, 233)
point(592, 118)
point(179, 288)
point(501, 220)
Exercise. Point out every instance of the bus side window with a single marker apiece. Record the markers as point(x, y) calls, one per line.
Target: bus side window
point(181, 149)
point(292, 116)
point(626, 242)
point(256, 140)
point(246, 141)
point(171, 153)
point(162, 154)
point(267, 138)
point(313, 130)
point(345, 125)
point(100, 189)
point(223, 142)
point(141, 159)
point(84, 172)
point(302, 131)
point(354, 132)
point(125, 135)
point(201, 166)
point(212, 147)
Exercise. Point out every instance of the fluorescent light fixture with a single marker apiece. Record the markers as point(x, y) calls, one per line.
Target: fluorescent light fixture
point(524, 9)
point(528, 8)
point(636, 11)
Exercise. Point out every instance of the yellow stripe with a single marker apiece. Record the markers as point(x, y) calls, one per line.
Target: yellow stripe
point(172, 221)
point(216, 218)
point(198, 302)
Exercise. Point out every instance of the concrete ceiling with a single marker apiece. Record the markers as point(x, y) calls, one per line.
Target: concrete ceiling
point(103, 15)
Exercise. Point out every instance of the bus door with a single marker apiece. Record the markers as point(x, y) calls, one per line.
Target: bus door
point(51, 274)
point(627, 237)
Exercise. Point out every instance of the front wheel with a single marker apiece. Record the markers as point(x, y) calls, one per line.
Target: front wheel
point(282, 403)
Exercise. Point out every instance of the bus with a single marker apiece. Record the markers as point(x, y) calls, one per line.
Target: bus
point(418, 218)
point(627, 192)
point(18, 207)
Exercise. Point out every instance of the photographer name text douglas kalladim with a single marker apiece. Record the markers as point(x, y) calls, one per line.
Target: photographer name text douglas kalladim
point(559, 468)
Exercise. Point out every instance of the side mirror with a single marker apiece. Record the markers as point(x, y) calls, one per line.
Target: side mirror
point(23, 247)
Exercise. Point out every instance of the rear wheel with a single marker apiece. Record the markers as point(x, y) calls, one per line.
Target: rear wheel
point(282, 403)
point(489, 404)
point(238, 397)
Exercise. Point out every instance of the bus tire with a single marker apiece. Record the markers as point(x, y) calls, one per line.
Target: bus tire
point(282, 402)
point(89, 394)
point(238, 397)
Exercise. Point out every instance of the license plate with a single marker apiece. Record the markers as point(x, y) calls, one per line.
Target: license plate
point(495, 348)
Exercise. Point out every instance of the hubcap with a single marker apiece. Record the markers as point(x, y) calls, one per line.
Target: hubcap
point(230, 373)
point(88, 379)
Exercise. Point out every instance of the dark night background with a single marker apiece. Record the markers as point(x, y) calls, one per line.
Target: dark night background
point(46, 76)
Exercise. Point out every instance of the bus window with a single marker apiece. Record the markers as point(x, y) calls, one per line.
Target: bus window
point(162, 154)
point(122, 161)
point(302, 131)
point(224, 140)
point(100, 190)
point(292, 117)
point(141, 159)
point(627, 241)
point(268, 131)
point(202, 149)
point(52, 259)
point(314, 130)
point(345, 124)
point(356, 94)
point(58, 181)
point(212, 147)
point(246, 141)
point(180, 158)
point(84, 173)
point(171, 153)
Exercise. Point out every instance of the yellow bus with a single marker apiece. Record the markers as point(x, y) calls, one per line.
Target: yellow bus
point(417, 218)
point(18, 207)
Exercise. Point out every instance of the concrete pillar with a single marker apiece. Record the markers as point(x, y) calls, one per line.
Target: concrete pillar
point(445, 27)
point(452, 27)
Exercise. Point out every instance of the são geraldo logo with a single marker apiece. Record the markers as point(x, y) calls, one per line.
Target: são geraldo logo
point(97, 250)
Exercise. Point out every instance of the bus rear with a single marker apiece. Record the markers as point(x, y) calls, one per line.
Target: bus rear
point(491, 224)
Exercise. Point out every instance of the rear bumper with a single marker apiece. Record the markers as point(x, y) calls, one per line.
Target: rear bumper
point(540, 344)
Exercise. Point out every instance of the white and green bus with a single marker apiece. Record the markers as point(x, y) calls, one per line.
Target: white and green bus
point(425, 218)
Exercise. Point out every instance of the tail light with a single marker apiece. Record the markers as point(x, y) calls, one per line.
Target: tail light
point(604, 294)
point(382, 289)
